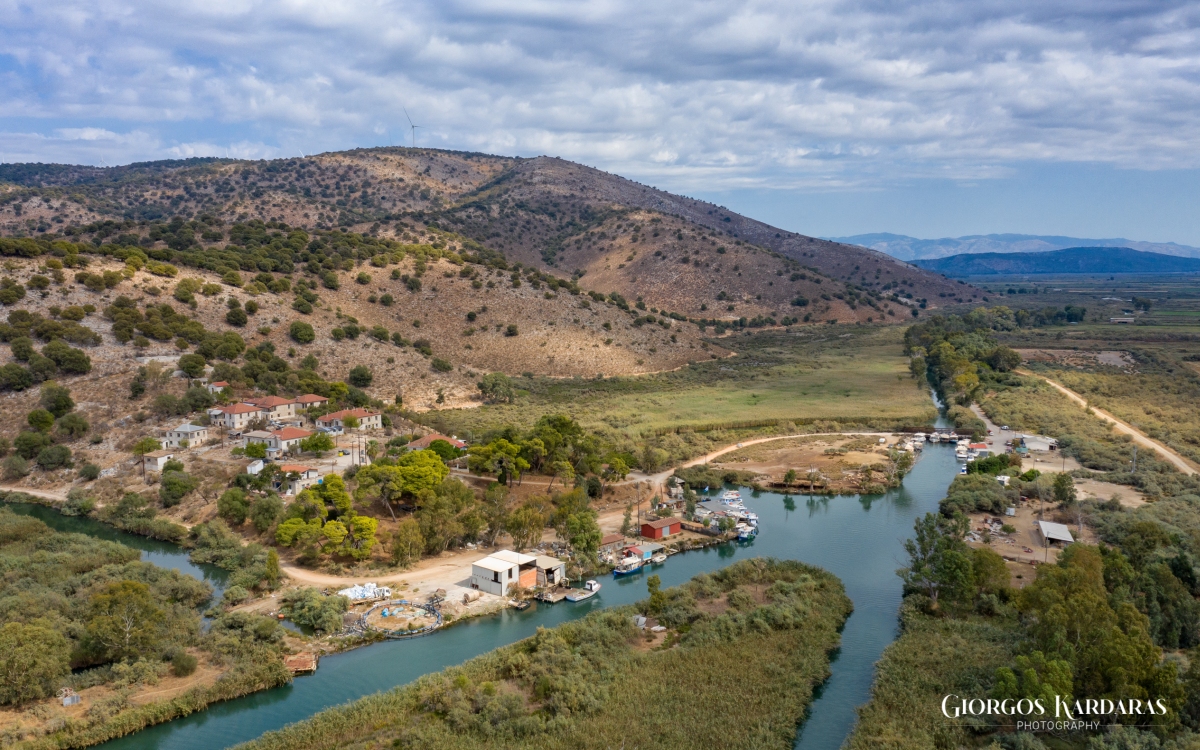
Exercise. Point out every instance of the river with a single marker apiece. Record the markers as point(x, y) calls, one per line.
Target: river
point(859, 539)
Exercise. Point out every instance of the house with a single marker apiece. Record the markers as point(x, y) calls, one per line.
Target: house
point(550, 571)
point(424, 443)
point(611, 542)
point(643, 551)
point(288, 438)
point(367, 420)
point(1038, 444)
point(295, 478)
point(258, 436)
point(156, 460)
point(185, 435)
point(216, 388)
point(661, 528)
point(1055, 532)
point(495, 573)
point(310, 400)
point(274, 406)
point(237, 416)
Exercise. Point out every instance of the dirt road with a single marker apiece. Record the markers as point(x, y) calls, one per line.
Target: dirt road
point(1138, 436)
point(48, 494)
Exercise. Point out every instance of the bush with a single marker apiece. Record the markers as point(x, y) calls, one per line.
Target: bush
point(14, 467)
point(232, 506)
point(360, 376)
point(329, 280)
point(363, 278)
point(235, 595)
point(71, 426)
point(175, 484)
point(40, 420)
point(265, 511)
point(89, 472)
point(237, 317)
point(29, 444)
point(183, 664)
point(301, 333)
point(441, 365)
point(511, 330)
point(54, 457)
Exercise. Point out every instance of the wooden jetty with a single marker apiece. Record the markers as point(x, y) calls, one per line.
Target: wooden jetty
point(556, 594)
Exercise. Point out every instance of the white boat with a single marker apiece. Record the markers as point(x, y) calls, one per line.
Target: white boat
point(960, 453)
point(935, 438)
point(658, 558)
point(918, 437)
point(590, 589)
point(745, 532)
point(731, 496)
point(750, 517)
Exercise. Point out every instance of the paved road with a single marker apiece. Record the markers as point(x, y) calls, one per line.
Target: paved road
point(1138, 436)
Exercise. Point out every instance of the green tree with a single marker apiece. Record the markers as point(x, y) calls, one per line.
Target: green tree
point(40, 420)
point(56, 399)
point(174, 485)
point(407, 543)
point(938, 560)
point(232, 506)
point(71, 426)
point(361, 540)
point(497, 387)
point(29, 444)
point(1064, 489)
point(272, 574)
point(789, 477)
point(658, 599)
point(445, 450)
point(627, 521)
point(360, 376)
point(297, 531)
point(54, 457)
point(301, 332)
point(525, 526)
point(307, 606)
point(438, 518)
point(124, 621)
point(236, 317)
point(495, 512)
point(34, 662)
point(583, 533)
point(256, 450)
point(264, 511)
point(318, 443)
point(193, 365)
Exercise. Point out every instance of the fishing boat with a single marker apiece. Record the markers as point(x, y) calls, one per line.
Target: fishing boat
point(746, 532)
point(628, 566)
point(731, 496)
point(590, 589)
point(751, 518)
point(918, 437)
point(658, 558)
point(962, 470)
point(960, 453)
point(522, 605)
point(935, 438)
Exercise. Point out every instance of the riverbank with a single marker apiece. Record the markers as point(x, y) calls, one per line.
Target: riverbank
point(742, 648)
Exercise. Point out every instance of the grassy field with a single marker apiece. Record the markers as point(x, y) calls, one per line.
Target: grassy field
point(736, 668)
point(843, 373)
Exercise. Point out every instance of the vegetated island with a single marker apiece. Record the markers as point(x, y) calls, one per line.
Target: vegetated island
point(729, 659)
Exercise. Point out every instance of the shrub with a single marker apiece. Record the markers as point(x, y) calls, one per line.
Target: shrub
point(236, 317)
point(192, 365)
point(232, 506)
point(511, 330)
point(71, 426)
point(329, 280)
point(265, 511)
point(29, 444)
point(363, 278)
point(301, 333)
point(14, 467)
point(89, 472)
point(387, 300)
point(54, 457)
point(175, 484)
point(360, 376)
point(441, 365)
point(183, 664)
point(40, 420)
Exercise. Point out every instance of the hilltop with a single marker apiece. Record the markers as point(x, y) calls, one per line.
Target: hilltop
point(607, 233)
point(1074, 260)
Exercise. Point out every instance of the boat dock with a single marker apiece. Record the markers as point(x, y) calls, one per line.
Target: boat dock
point(304, 662)
point(556, 594)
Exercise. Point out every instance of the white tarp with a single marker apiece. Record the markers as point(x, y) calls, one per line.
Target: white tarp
point(366, 591)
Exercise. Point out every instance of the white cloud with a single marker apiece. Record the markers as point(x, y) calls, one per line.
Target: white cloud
point(768, 93)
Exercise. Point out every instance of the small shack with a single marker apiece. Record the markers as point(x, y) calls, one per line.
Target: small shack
point(1055, 532)
point(611, 542)
point(550, 571)
point(660, 528)
point(156, 460)
point(496, 572)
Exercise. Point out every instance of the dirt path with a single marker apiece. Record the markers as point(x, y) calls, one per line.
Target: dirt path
point(1138, 436)
point(49, 494)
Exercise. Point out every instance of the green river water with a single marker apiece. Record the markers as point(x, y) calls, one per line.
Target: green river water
point(859, 539)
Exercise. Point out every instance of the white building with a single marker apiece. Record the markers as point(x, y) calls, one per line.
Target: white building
point(237, 416)
point(495, 573)
point(367, 420)
point(156, 460)
point(185, 435)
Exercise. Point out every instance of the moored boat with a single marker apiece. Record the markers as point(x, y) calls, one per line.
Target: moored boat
point(590, 589)
point(628, 566)
point(658, 558)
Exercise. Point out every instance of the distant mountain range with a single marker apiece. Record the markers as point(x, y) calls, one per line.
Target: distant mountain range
point(910, 248)
point(1080, 260)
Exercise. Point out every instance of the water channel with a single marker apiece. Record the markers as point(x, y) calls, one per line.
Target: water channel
point(858, 538)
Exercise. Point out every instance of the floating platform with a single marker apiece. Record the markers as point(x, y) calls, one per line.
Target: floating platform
point(554, 595)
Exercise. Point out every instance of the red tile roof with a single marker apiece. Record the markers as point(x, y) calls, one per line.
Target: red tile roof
point(291, 433)
point(661, 523)
point(299, 469)
point(426, 441)
point(612, 539)
point(268, 402)
point(220, 384)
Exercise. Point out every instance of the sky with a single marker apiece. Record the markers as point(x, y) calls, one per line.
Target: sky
point(826, 117)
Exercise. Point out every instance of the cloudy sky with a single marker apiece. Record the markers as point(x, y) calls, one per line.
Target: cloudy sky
point(826, 117)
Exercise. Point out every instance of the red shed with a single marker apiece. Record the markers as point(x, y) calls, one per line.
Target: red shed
point(661, 528)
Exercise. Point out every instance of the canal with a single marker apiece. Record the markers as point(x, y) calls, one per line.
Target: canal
point(858, 538)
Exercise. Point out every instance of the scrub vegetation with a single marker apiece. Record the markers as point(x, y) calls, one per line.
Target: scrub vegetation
point(742, 651)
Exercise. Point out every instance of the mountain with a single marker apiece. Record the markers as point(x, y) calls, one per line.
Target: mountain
point(610, 234)
point(1074, 260)
point(911, 248)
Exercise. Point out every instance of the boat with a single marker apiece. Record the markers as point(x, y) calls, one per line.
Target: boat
point(628, 566)
point(919, 437)
point(962, 470)
point(522, 605)
point(731, 496)
point(590, 589)
point(960, 453)
point(935, 437)
point(658, 558)
point(745, 533)
point(751, 518)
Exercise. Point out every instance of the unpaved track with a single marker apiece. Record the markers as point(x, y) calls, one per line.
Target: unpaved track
point(1138, 436)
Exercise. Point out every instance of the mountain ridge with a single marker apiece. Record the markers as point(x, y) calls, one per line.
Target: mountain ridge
point(1074, 260)
point(911, 248)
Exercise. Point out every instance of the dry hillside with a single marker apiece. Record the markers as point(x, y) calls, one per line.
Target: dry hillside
point(674, 253)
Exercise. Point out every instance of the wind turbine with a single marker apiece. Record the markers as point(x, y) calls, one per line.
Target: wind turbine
point(412, 127)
